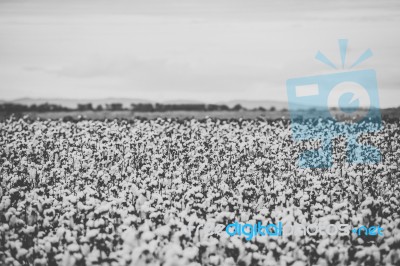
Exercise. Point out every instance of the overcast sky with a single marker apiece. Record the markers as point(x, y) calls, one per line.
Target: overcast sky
point(183, 49)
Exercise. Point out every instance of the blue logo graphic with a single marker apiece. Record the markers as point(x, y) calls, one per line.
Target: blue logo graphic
point(332, 105)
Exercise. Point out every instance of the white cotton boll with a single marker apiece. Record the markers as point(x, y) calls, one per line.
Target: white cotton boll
point(153, 183)
point(322, 246)
point(129, 237)
point(47, 246)
point(60, 232)
point(73, 199)
point(147, 236)
point(356, 220)
point(131, 219)
point(215, 260)
point(90, 223)
point(358, 181)
point(78, 256)
point(153, 246)
point(73, 248)
point(99, 223)
point(375, 253)
point(135, 190)
point(145, 208)
point(103, 209)
point(4, 228)
point(367, 202)
point(273, 245)
point(40, 262)
point(59, 257)
point(5, 203)
point(21, 253)
point(264, 212)
point(394, 201)
point(393, 258)
point(366, 213)
point(70, 236)
point(129, 170)
point(85, 249)
point(153, 214)
point(68, 259)
point(228, 262)
point(100, 174)
point(190, 252)
point(331, 253)
point(53, 239)
point(299, 263)
point(83, 207)
point(29, 230)
point(90, 234)
point(339, 206)
point(93, 256)
point(361, 254)
point(175, 261)
point(172, 249)
point(331, 218)
point(135, 257)
point(306, 197)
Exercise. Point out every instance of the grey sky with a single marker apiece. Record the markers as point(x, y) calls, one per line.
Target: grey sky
point(184, 49)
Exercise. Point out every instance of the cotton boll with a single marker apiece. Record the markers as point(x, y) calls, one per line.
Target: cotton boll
point(190, 253)
point(147, 236)
point(215, 260)
point(299, 263)
point(72, 248)
point(21, 253)
point(90, 234)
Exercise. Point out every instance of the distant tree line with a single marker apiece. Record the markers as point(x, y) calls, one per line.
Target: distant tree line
point(158, 107)
point(135, 107)
point(45, 107)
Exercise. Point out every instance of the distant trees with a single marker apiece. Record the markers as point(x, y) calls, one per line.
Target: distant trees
point(217, 107)
point(159, 107)
point(10, 107)
point(85, 107)
point(114, 107)
point(142, 107)
point(135, 107)
point(45, 107)
point(237, 107)
point(180, 107)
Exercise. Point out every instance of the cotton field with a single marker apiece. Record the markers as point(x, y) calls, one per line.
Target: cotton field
point(141, 192)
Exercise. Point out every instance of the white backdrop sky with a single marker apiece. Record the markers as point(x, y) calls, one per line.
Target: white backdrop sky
point(183, 49)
